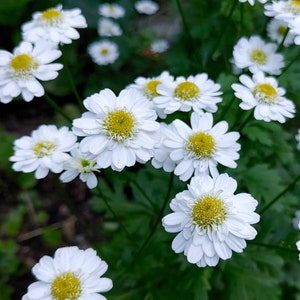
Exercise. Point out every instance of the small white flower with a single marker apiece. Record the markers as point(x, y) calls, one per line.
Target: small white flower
point(276, 30)
point(21, 70)
point(103, 52)
point(107, 27)
point(263, 94)
point(71, 274)
point(119, 130)
point(44, 150)
point(159, 46)
point(82, 165)
point(198, 149)
point(184, 94)
point(55, 25)
point(252, 2)
point(295, 29)
point(111, 10)
point(255, 54)
point(146, 7)
point(211, 221)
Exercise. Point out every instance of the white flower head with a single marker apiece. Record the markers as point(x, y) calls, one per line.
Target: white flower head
point(46, 149)
point(211, 221)
point(111, 10)
point(21, 70)
point(295, 29)
point(118, 130)
point(146, 7)
point(265, 96)
point(55, 25)
point(198, 149)
point(107, 27)
point(277, 29)
point(159, 45)
point(80, 164)
point(103, 52)
point(71, 274)
point(257, 55)
point(184, 94)
point(252, 2)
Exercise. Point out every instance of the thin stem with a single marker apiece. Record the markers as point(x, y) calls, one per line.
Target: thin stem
point(283, 39)
point(226, 109)
point(57, 108)
point(273, 247)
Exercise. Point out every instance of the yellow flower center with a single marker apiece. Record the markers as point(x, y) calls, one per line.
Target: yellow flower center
point(51, 16)
point(23, 65)
point(293, 7)
point(209, 211)
point(119, 125)
point(150, 89)
point(282, 30)
point(66, 286)
point(258, 56)
point(187, 91)
point(266, 93)
point(87, 165)
point(43, 148)
point(104, 51)
point(201, 145)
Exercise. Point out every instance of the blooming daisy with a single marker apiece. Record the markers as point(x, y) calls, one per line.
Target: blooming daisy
point(295, 29)
point(255, 54)
point(55, 25)
point(277, 31)
point(159, 46)
point(183, 94)
point(82, 165)
point(200, 148)
point(211, 221)
point(44, 150)
point(72, 274)
point(103, 52)
point(118, 130)
point(107, 27)
point(146, 7)
point(251, 2)
point(265, 96)
point(21, 70)
point(111, 10)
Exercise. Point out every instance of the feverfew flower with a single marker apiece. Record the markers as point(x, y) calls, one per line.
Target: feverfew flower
point(295, 29)
point(211, 221)
point(251, 2)
point(44, 150)
point(256, 55)
point(146, 7)
point(21, 70)
point(111, 10)
point(198, 149)
point(55, 25)
point(82, 165)
point(263, 94)
point(159, 46)
point(71, 274)
point(184, 94)
point(277, 29)
point(107, 27)
point(119, 130)
point(103, 52)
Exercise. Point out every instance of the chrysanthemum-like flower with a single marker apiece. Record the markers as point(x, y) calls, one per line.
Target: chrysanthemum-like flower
point(107, 27)
point(55, 25)
point(295, 29)
point(211, 220)
point(146, 7)
point(277, 29)
point(184, 94)
point(256, 55)
point(119, 130)
point(252, 2)
point(263, 94)
point(72, 274)
point(103, 52)
point(198, 149)
point(111, 10)
point(21, 70)
point(82, 165)
point(44, 150)
point(159, 46)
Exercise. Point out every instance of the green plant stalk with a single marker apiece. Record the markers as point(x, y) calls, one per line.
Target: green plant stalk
point(273, 247)
point(283, 39)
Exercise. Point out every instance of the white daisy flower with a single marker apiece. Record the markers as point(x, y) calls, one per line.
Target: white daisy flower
point(55, 25)
point(71, 274)
point(295, 29)
point(256, 55)
point(119, 130)
point(103, 52)
point(107, 27)
point(146, 7)
point(159, 46)
point(82, 165)
point(252, 2)
point(211, 220)
point(44, 150)
point(276, 30)
point(21, 70)
point(184, 94)
point(265, 96)
point(111, 10)
point(198, 149)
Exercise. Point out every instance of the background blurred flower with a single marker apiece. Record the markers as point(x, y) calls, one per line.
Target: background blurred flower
point(103, 52)
point(111, 10)
point(146, 7)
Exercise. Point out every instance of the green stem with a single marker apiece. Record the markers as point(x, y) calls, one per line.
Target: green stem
point(273, 247)
point(226, 109)
point(283, 39)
